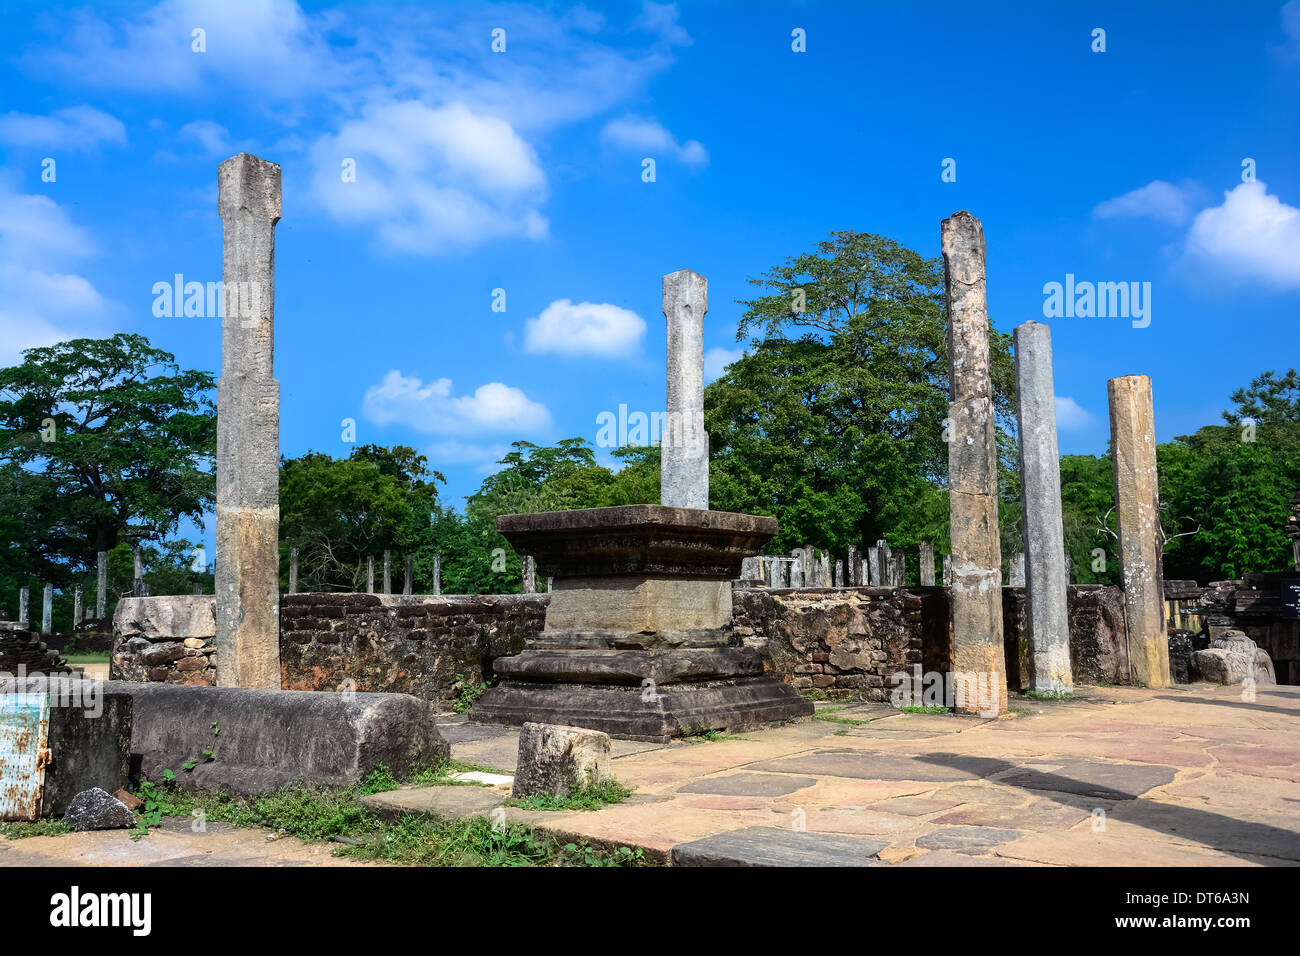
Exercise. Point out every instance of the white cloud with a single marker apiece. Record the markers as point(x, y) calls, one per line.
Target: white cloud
point(433, 408)
point(716, 361)
point(1158, 200)
point(41, 300)
point(468, 174)
point(431, 177)
point(482, 458)
point(588, 328)
point(77, 127)
point(1071, 416)
point(1290, 47)
point(212, 138)
point(661, 19)
point(1252, 236)
point(649, 137)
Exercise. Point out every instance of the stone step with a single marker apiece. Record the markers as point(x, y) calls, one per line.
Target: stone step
point(777, 846)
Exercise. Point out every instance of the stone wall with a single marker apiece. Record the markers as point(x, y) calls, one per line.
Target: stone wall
point(843, 642)
point(1254, 605)
point(165, 640)
point(26, 651)
point(429, 646)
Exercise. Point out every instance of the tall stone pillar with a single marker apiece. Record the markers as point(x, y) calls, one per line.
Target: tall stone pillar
point(854, 567)
point(437, 573)
point(47, 610)
point(410, 574)
point(388, 572)
point(370, 574)
point(137, 579)
point(247, 638)
point(1046, 578)
point(1137, 512)
point(101, 587)
point(293, 571)
point(684, 472)
point(24, 612)
point(927, 564)
point(979, 670)
point(529, 569)
point(947, 570)
point(1016, 569)
point(77, 607)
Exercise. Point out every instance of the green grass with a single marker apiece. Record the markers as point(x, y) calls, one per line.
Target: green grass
point(830, 714)
point(21, 829)
point(1049, 694)
point(82, 658)
point(322, 813)
point(917, 709)
point(592, 797)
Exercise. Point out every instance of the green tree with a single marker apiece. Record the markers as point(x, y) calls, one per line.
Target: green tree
point(102, 441)
point(833, 421)
point(1269, 399)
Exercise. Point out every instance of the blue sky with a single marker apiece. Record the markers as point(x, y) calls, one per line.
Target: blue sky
point(522, 170)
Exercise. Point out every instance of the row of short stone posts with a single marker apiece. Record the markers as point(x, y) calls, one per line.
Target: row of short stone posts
point(407, 584)
point(78, 603)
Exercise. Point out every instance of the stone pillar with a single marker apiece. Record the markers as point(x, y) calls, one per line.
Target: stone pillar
point(927, 564)
point(978, 663)
point(839, 574)
point(1137, 512)
point(529, 568)
point(1042, 570)
point(898, 570)
point(410, 574)
point(684, 473)
point(437, 573)
point(947, 570)
point(370, 574)
point(796, 568)
point(293, 571)
point(854, 566)
point(824, 570)
point(247, 637)
point(101, 587)
point(1016, 569)
point(137, 578)
point(873, 567)
point(388, 572)
point(24, 613)
point(47, 610)
point(77, 607)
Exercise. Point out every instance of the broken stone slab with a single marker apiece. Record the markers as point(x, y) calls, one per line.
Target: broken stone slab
point(175, 616)
point(1233, 658)
point(778, 846)
point(89, 743)
point(555, 760)
point(263, 740)
point(97, 809)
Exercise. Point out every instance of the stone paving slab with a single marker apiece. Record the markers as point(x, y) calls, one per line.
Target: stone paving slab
point(869, 765)
point(772, 846)
point(749, 785)
point(1089, 778)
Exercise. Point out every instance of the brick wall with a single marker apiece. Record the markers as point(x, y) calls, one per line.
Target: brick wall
point(411, 644)
point(25, 649)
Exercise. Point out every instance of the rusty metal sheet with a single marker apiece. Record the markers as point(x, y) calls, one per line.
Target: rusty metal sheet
point(24, 752)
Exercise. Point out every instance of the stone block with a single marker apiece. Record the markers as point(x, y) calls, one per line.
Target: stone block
point(97, 809)
point(1232, 659)
point(556, 760)
point(174, 616)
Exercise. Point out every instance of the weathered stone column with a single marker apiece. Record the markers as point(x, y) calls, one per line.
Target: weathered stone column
point(77, 607)
point(796, 568)
point(947, 570)
point(137, 579)
point(437, 573)
point(979, 670)
point(839, 574)
point(529, 569)
point(370, 574)
point(684, 473)
point(47, 610)
point(873, 567)
point(927, 564)
point(388, 572)
point(101, 587)
point(293, 571)
point(897, 570)
point(410, 573)
point(1137, 512)
point(24, 612)
point(1016, 569)
point(854, 566)
point(247, 637)
point(1044, 571)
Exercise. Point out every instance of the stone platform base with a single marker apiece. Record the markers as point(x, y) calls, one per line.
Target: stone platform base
point(650, 714)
